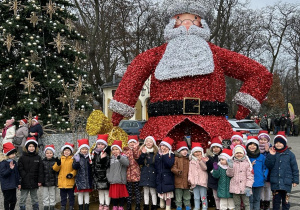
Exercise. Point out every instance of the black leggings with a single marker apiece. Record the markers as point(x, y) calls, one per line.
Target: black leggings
point(118, 201)
point(10, 199)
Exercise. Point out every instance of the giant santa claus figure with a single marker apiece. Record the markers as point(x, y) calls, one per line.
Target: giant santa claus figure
point(188, 86)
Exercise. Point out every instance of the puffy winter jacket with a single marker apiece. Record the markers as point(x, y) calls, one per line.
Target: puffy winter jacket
point(10, 133)
point(223, 182)
point(148, 173)
point(197, 173)
point(283, 170)
point(117, 171)
point(22, 132)
point(181, 170)
point(260, 171)
point(38, 130)
point(83, 179)
point(133, 170)
point(50, 176)
point(31, 170)
point(242, 176)
point(9, 178)
point(64, 169)
point(164, 176)
point(99, 168)
point(212, 181)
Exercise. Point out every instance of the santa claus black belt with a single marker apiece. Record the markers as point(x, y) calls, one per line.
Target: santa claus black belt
point(187, 106)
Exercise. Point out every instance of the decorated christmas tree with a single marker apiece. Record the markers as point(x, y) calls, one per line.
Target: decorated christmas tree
point(40, 60)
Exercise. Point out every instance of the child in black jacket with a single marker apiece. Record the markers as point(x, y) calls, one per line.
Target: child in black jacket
point(31, 172)
point(9, 176)
point(50, 178)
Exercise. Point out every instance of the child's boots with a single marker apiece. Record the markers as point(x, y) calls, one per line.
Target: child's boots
point(162, 203)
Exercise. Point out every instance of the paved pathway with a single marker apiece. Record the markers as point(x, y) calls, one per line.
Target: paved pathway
point(293, 142)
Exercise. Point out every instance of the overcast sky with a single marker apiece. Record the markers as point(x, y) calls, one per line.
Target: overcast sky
point(257, 4)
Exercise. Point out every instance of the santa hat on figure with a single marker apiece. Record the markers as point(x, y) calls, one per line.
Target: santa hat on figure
point(118, 144)
point(168, 142)
point(101, 139)
point(181, 145)
point(83, 143)
point(133, 138)
point(280, 137)
point(8, 149)
point(24, 121)
point(35, 119)
point(216, 142)
point(226, 154)
point(49, 147)
point(196, 147)
point(68, 146)
point(31, 140)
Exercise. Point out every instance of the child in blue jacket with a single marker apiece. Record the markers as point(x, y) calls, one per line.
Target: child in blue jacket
point(259, 168)
point(9, 176)
point(284, 171)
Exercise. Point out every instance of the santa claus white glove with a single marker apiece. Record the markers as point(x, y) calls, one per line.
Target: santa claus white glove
point(242, 112)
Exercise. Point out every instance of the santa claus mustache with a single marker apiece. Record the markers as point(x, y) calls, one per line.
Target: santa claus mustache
point(171, 32)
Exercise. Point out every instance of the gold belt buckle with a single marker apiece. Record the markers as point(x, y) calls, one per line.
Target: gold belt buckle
point(197, 105)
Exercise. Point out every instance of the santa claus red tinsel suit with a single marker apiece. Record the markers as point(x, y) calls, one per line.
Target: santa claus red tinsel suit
point(188, 80)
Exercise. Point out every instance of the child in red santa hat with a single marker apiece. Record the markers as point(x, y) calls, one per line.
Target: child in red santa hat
point(236, 139)
point(240, 169)
point(181, 171)
point(50, 180)
point(284, 172)
point(66, 176)
point(215, 150)
point(198, 175)
point(133, 171)
point(117, 176)
point(219, 172)
point(164, 161)
point(148, 174)
point(83, 180)
point(9, 131)
point(264, 146)
point(100, 164)
point(9, 176)
point(30, 182)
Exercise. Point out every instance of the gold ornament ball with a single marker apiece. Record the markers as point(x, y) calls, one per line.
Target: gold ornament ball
point(18, 17)
point(10, 76)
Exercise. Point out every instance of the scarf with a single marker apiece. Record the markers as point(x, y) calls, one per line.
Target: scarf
point(223, 166)
point(281, 150)
point(262, 148)
point(5, 130)
point(149, 150)
point(254, 154)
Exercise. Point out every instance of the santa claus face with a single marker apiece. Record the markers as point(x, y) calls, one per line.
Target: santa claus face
point(187, 20)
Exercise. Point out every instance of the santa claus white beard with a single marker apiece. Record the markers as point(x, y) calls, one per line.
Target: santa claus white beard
point(187, 52)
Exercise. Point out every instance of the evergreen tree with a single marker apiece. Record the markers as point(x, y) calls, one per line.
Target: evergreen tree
point(39, 53)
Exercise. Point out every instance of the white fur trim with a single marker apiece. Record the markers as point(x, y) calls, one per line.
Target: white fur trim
point(101, 141)
point(216, 145)
point(236, 136)
point(31, 141)
point(166, 144)
point(181, 148)
point(252, 141)
point(84, 145)
point(132, 140)
point(224, 156)
point(67, 146)
point(112, 146)
point(195, 149)
point(50, 148)
point(280, 136)
point(23, 122)
point(247, 101)
point(121, 108)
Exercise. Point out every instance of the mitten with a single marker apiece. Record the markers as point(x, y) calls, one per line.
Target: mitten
point(58, 161)
point(242, 112)
point(215, 165)
point(248, 191)
point(77, 157)
point(116, 118)
point(230, 163)
point(69, 176)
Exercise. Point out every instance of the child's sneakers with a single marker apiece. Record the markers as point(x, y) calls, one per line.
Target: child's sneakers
point(162, 203)
point(187, 208)
point(101, 207)
point(105, 207)
point(115, 207)
point(178, 208)
point(120, 208)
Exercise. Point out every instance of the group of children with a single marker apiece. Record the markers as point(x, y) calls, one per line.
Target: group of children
point(240, 176)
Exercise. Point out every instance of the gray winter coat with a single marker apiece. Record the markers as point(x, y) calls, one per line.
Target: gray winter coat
point(117, 172)
point(22, 132)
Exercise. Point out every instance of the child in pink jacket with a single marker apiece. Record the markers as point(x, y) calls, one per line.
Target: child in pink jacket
point(240, 169)
point(198, 175)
